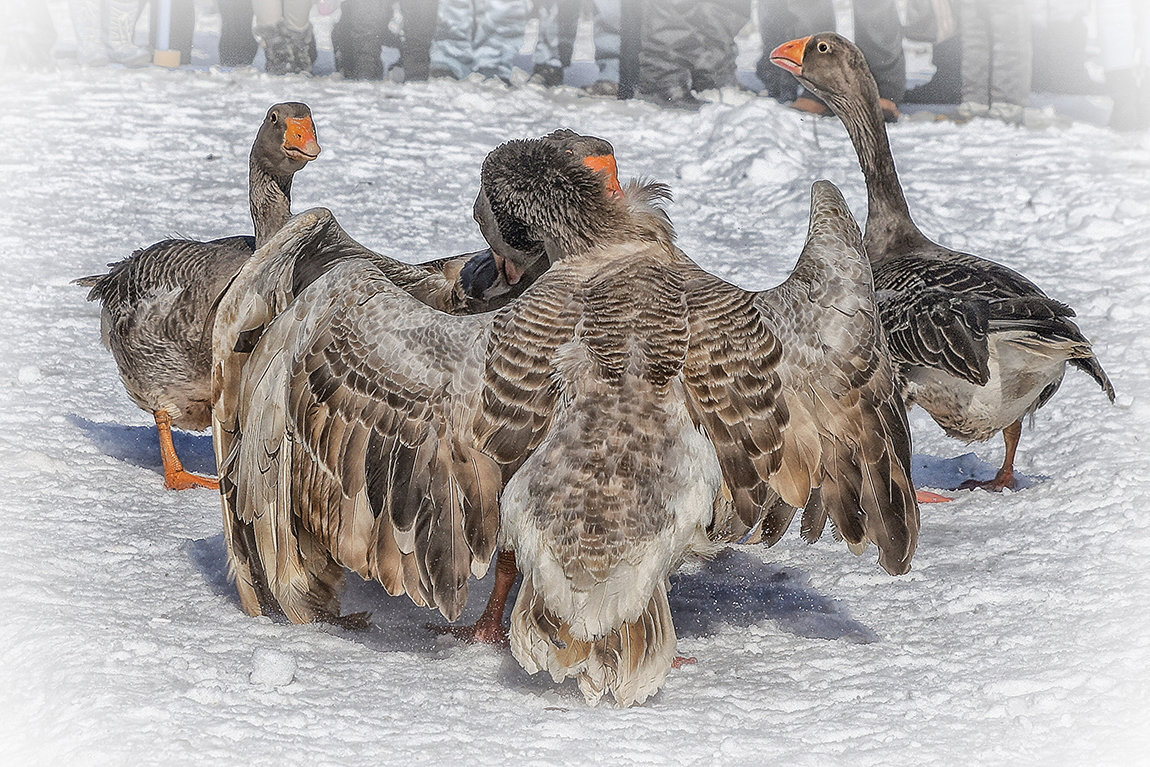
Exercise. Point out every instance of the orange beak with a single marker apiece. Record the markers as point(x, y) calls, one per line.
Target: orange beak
point(789, 56)
point(605, 164)
point(299, 138)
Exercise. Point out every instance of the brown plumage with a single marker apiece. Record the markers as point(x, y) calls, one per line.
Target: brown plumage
point(310, 247)
point(594, 422)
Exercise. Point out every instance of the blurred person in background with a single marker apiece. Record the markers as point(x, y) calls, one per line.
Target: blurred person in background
point(363, 30)
point(106, 31)
point(1124, 30)
point(558, 28)
point(283, 27)
point(238, 47)
point(688, 46)
point(482, 36)
point(996, 59)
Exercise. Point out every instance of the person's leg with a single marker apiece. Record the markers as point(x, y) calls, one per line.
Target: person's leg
point(451, 48)
point(418, 29)
point(1011, 60)
point(500, 26)
point(669, 44)
point(121, 33)
point(630, 46)
point(238, 47)
point(88, 24)
point(878, 34)
point(548, 67)
point(717, 22)
point(975, 35)
point(357, 38)
point(605, 29)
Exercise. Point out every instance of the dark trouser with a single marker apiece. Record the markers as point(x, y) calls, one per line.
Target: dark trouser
point(689, 44)
point(238, 47)
point(362, 31)
point(878, 34)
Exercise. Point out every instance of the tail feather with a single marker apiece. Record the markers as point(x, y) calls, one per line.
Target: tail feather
point(630, 663)
point(1093, 368)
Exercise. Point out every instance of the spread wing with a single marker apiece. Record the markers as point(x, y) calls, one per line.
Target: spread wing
point(735, 395)
point(356, 449)
point(520, 392)
point(839, 384)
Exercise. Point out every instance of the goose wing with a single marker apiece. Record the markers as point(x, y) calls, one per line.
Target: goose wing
point(734, 393)
point(355, 447)
point(848, 424)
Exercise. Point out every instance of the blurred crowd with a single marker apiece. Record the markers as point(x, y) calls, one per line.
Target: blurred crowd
point(988, 55)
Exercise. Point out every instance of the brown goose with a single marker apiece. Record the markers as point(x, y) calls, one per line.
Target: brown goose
point(464, 284)
point(623, 412)
point(979, 345)
point(156, 302)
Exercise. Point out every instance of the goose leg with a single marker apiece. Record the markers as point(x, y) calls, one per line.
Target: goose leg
point(1005, 476)
point(489, 628)
point(175, 477)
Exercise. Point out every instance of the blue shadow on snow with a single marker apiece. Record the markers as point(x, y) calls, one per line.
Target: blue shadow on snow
point(140, 445)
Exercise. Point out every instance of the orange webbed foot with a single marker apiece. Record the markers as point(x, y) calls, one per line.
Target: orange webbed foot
point(681, 661)
point(925, 496)
point(185, 480)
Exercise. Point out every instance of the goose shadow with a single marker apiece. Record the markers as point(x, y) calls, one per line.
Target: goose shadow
point(949, 473)
point(397, 623)
point(734, 589)
point(140, 445)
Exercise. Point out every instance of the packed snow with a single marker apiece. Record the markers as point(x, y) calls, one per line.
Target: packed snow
point(1021, 635)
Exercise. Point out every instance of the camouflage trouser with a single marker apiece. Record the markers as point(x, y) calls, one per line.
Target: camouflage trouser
point(478, 36)
point(995, 51)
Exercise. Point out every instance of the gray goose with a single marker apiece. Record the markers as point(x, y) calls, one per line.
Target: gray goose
point(979, 346)
point(156, 302)
point(625, 411)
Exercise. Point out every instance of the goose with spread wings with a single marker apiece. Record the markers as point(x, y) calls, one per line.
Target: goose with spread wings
point(627, 410)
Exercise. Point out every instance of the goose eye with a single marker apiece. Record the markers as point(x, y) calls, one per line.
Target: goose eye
point(824, 47)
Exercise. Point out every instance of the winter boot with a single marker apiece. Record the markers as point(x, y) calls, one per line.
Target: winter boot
point(301, 43)
point(277, 49)
point(87, 21)
point(122, 49)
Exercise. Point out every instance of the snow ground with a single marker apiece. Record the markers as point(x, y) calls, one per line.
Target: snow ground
point(1021, 636)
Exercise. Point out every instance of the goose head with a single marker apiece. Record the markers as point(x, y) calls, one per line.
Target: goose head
point(831, 66)
point(543, 199)
point(286, 140)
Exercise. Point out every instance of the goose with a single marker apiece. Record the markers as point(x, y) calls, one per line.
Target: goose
point(980, 346)
point(467, 284)
point(624, 412)
point(156, 302)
